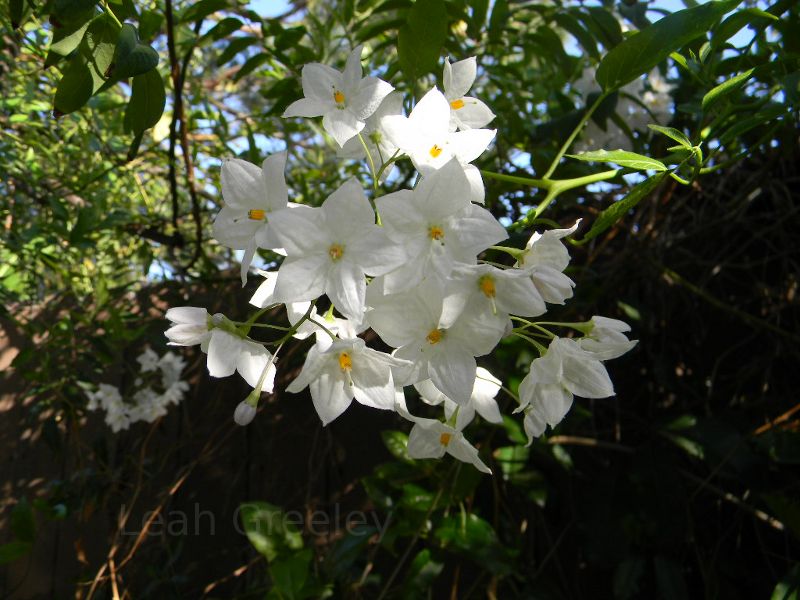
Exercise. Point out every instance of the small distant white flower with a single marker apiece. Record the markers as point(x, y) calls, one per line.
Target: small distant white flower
point(148, 361)
point(345, 370)
point(343, 100)
point(607, 338)
point(430, 438)
point(252, 195)
point(465, 112)
point(171, 366)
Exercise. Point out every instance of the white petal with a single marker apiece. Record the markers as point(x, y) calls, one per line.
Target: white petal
point(300, 230)
point(320, 81)
point(469, 145)
point(348, 213)
point(453, 372)
point(331, 395)
point(306, 107)
point(424, 443)
point(444, 192)
point(587, 378)
point(223, 352)
point(474, 114)
point(477, 190)
point(466, 452)
point(272, 173)
point(373, 383)
point(188, 315)
point(477, 229)
point(250, 364)
point(341, 125)
point(312, 367)
point(346, 287)
point(249, 253)
point(241, 184)
point(265, 291)
point(459, 77)
point(371, 92)
point(301, 279)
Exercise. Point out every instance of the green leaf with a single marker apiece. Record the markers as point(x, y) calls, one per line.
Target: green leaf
point(674, 134)
point(22, 524)
point(623, 158)
point(397, 443)
point(98, 46)
point(731, 26)
point(605, 26)
point(726, 87)
point(202, 9)
point(289, 575)
point(289, 37)
point(83, 225)
point(269, 529)
point(251, 64)
point(13, 551)
point(420, 40)
point(235, 46)
point(422, 572)
point(620, 208)
point(66, 39)
point(75, 88)
point(147, 102)
point(18, 12)
point(644, 50)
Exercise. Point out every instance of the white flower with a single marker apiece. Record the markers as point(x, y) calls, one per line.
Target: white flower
point(499, 291)
point(426, 137)
point(104, 397)
point(252, 195)
point(343, 100)
point(331, 248)
point(547, 390)
point(347, 369)
point(229, 353)
point(175, 392)
point(544, 258)
point(465, 112)
point(482, 399)
point(607, 339)
point(430, 438)
point(436, 227)
point(148, 361)
point(435, 333)
point(191, 326)
point(378, 143)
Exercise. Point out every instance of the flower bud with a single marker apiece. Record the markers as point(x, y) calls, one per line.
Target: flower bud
point(244, 413)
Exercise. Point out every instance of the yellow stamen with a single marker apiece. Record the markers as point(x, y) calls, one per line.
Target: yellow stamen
point(256, 214)
point(336, 251)
point(338, 97)
point(434, 336)
point(435, 150)
point(345, 362)
point(456, 104)
point(486, 283)
point(444, 439)
point(435, 232)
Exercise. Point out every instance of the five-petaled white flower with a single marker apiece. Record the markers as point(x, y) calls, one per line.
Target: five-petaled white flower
point(252, 195)
point(465, 112)
point(343, 100)
point(329, 250)
point(345, 370)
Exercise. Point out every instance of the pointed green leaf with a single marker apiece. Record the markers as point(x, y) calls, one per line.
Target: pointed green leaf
point(66, 39)
point(644, 50)
point(620, 208)
point(725, 88)
point(75, 88)
point(623, 158)
point(420, 40)
point(674, 134)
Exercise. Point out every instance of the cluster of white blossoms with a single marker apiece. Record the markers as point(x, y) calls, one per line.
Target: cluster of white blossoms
point(405, 265)
point(644, 100)
point(157, 385)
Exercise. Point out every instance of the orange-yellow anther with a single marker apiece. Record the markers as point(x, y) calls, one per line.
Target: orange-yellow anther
point(435, 232)
point(435, 336)
point(486, 283)
point(336, 251)
point(338, 97)
point(345, 362)
point(435, 150)
point(444, 439)
point(256, 214)
point(456, 104)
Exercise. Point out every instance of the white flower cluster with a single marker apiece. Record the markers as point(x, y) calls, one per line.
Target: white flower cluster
point(157, 386)
point(642, 101)
point(405, 265)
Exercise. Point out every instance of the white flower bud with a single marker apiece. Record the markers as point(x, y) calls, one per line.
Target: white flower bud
point(244, 413)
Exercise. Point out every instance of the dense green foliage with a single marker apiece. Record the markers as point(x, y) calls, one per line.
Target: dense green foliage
point(113, 121)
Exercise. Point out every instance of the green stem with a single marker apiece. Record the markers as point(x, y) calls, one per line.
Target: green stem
point(542, 350)
point(325, 329)
point(563, 150)
point(370, 161)
point(110, 13)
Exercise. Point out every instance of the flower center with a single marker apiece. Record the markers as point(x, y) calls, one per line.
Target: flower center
point(256, 214)
point(435, 151)
point(376, 137)
point(345, 362)
point(486, 284)
point(434, 336)
point(456, 104)
point(435, 232)
point(444, 439)
point(336, 251)
point(338, 97)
